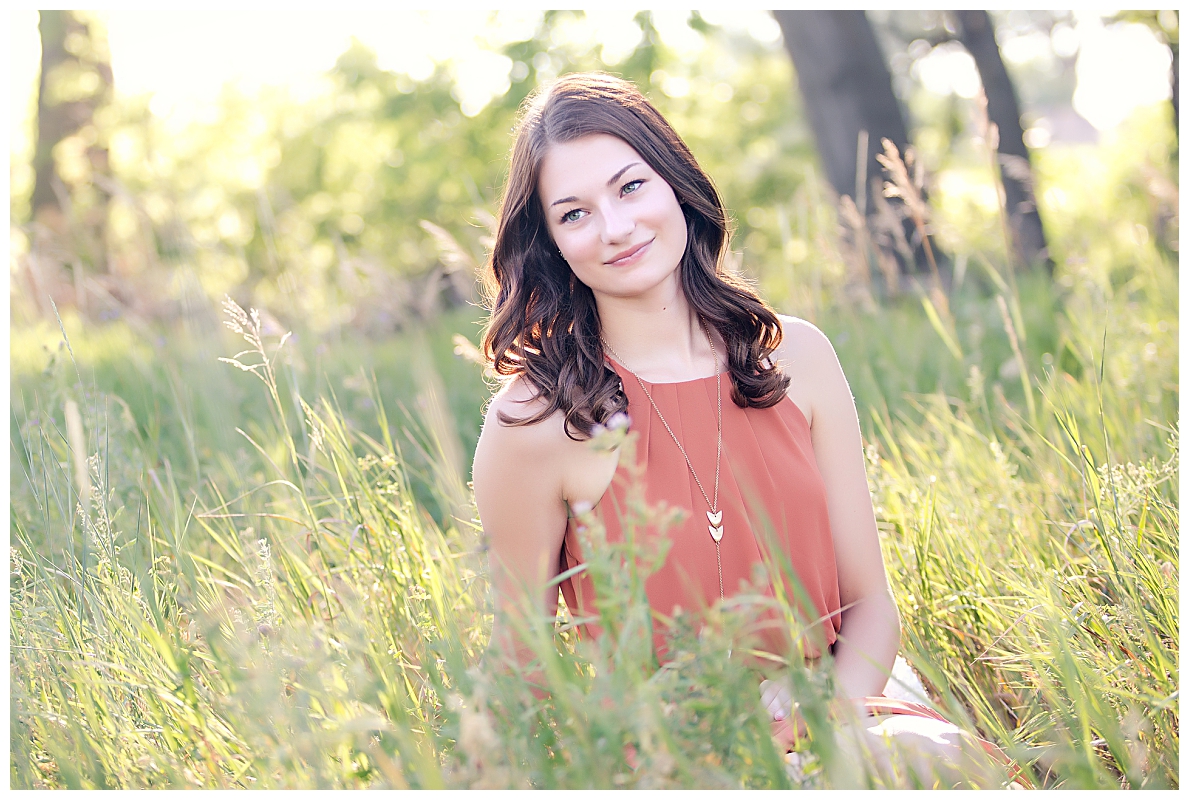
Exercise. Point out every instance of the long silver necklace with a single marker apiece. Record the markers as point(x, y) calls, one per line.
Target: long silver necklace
point(714, 515)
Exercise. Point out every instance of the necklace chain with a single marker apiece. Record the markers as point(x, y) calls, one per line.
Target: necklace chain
point(718, 455)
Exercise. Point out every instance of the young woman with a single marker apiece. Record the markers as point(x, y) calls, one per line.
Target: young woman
point(610, 296)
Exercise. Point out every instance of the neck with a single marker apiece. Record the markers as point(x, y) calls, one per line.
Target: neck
point(658, 337)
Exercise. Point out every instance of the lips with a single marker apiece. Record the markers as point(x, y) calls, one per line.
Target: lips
point(627, 256)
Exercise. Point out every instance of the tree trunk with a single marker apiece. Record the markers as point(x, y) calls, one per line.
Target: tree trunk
point(848, 95)
point(977, 34)
point(54, 122)
point(75, 81)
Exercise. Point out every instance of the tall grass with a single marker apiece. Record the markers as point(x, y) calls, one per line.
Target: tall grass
point(274, 578)
point(319, 627)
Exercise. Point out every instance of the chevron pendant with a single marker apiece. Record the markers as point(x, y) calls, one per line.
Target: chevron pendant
point(715, 519)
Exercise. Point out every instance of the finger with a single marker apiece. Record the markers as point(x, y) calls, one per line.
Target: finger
point(776, 698)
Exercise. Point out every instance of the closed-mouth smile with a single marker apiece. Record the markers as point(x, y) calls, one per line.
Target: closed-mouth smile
point(629, 254)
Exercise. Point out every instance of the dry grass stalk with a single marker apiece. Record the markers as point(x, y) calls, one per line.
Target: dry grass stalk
point(78, 453)
point(890, 227)
point(858, 241)
point(457, 264)
point(446, 457)
point(903, 186)
point(465, 349)
point(1015, 348)
point(856, 246)
point(989, 132)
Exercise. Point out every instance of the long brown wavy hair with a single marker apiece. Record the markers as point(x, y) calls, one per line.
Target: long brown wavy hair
point(544, 323)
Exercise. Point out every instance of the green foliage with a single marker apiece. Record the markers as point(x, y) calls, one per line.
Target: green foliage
point(313, 209)
point(230, 584)
point(299, 619)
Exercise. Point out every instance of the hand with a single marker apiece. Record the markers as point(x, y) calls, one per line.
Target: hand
point(777, 698)
point(787, 725)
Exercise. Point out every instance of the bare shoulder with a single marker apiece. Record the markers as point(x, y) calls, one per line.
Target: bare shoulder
point(518, 400)
point(803, 342)
point(538, 459)
point(807, 357)
point(517, 471)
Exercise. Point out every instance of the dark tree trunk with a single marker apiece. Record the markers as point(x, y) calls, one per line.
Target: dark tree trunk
point(977, 34)
point(70, 216)
point(54, 121)
point(847, 90)
point(75, 82)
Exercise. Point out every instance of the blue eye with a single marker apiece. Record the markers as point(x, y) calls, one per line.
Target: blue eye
point(569, 216)
point(631, 186)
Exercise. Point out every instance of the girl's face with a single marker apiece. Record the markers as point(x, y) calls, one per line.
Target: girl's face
point(615, 220)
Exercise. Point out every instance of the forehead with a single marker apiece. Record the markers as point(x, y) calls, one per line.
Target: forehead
point(583, 164)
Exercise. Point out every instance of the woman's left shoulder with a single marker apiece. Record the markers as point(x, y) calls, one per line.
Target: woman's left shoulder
point(804, 347)
point(807, 357)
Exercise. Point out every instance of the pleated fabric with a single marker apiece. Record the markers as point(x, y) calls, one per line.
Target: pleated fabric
point(771, 496)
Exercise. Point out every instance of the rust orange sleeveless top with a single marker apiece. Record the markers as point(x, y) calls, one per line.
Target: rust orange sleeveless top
point(769, 482)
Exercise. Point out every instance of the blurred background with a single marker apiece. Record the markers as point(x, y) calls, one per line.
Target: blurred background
point(341, 172)
point(220, 582)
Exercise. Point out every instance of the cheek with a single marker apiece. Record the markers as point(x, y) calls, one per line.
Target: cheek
point(677, 225)
point(682, 224)
point(666, 212)
point(575, 245)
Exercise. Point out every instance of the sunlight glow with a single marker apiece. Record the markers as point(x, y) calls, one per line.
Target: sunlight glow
point(948, 69)
point(184, 58)
point(1120, 68)
point(677, 34)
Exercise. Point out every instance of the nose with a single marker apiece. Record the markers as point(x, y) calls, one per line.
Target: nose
point(618, 224)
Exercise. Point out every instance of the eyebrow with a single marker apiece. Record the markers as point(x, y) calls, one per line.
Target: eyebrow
point(610, 181)
point(617, 175)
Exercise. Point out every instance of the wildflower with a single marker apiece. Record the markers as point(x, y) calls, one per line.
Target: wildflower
point(610, 436)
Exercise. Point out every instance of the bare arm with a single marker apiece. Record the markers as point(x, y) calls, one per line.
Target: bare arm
point(524, 477)
point(870, 631)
